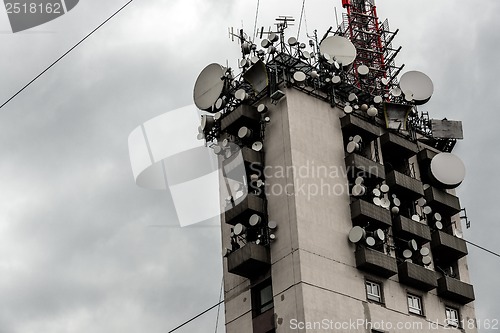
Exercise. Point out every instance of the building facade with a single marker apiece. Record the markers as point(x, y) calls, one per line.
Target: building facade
point(345, 218)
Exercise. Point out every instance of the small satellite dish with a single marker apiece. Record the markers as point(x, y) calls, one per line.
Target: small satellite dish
point(363, 70)
point(257, 146)
point(377, 201)
point(385, 203)
point(448, 170)
point(408, 96)
point(306, 55)
point(352, 147)
point(426, 260)
point(372, 111)
point(255, 59)
point(364, 107)
point(239, 229)
point(385, 81)
point(376, 192)
point(395, 210)
point(407, 254)
point(396, 202)
point(217, 115)
point(292, 41)
point(342, 49)
point(421, 202)
point(244, 133)
point(427, 210)
point(218, 150)
point(336, 79)
point(415, 218)
point(209, 86)
point(384, 188)
point(370, 241)
point(458, 234)
point(299, 76)
point(254, 220)
point(266, 43)
point(272, 225)
point(437, 217)
point(352, 97)
point(200, 136)
point(219, 104)
point(348, 109)
point(225, 143)
point(262, 108)
point(254, 176)
point(267, 119)
point(207, 122)
point(272, 237)
point(396, 92)
point(356, 234)
point(419, 84)
point(273, 37)
point(439, 225)
point(246, 47)
point(271, 50)
point(380, 235)
point(244, 63)
point(359, 180)
point(378, 99)
point(314, 74)
point(412, 245)
point(358, 190)
point(241, 94)
point(425, 251)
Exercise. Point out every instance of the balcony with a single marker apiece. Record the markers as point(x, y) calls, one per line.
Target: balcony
point(455, 290)
point(409, 229)
point(264, 322)
point(242, 211)
point(417, 276)
point(244, 115)
point(395, 146)
point(352, 125)
point(232, 166)
point(363, 212)
point(249, 261)
point(376, 262)
point(358, 165)
point(448, 248)
point(405, 186)
point(442, 201)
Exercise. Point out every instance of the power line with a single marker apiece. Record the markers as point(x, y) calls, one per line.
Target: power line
point(482, 248)
point(65, 54)
point(218, 309)
point(197, 316)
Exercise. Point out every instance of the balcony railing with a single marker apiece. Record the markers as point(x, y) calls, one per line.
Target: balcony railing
point(396, 146)
point(249, 261)
point(363, 212)
point(376, 262)
point(409, 229)
point(405, 186)
point(417, 276)
point(360, 166)
point(448, 248)
point(352, 125)
point(244, 115)
point(242, 211)
point(455, 290)
point(442, 201)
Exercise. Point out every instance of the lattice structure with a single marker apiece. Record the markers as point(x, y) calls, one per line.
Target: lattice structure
point(373, 42)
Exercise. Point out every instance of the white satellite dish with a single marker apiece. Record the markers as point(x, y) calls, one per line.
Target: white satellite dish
point(425, 251)
point(239, 229)
point(427, 210)
point(419, 84)
point(378, 99)
point(356, 234)
point(439, 225)
point(358, 190)
point(352, 147)
point(292, 41)
point(426, 260)
point(348, 109)
point(341, 48)
point(396, 202)
point(372, 111)
point(257, 146)
point(209, 86)
point(363, 70)
point(244, 133)
point(336, 79)
point(384, 188)
point(370, 241)
point(448, 170)
point(395, 210)
point(359, 180)
point(458, 234)
point(412, 245)
point(415, 218)
point(272, 225)
point(299, 76)
point(241, 94)
point(407, 254)
point(254, 220)
point(380, 235)
point(377, 201)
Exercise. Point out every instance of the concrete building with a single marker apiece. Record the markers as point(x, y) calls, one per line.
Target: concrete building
point(346, 219)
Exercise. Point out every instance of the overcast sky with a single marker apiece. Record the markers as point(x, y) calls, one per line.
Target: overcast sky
point(83, 249)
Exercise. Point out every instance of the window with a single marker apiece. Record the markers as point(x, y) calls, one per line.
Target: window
point(262, 296)
point(415, 305)
point(452, 318)
point(374, 291)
